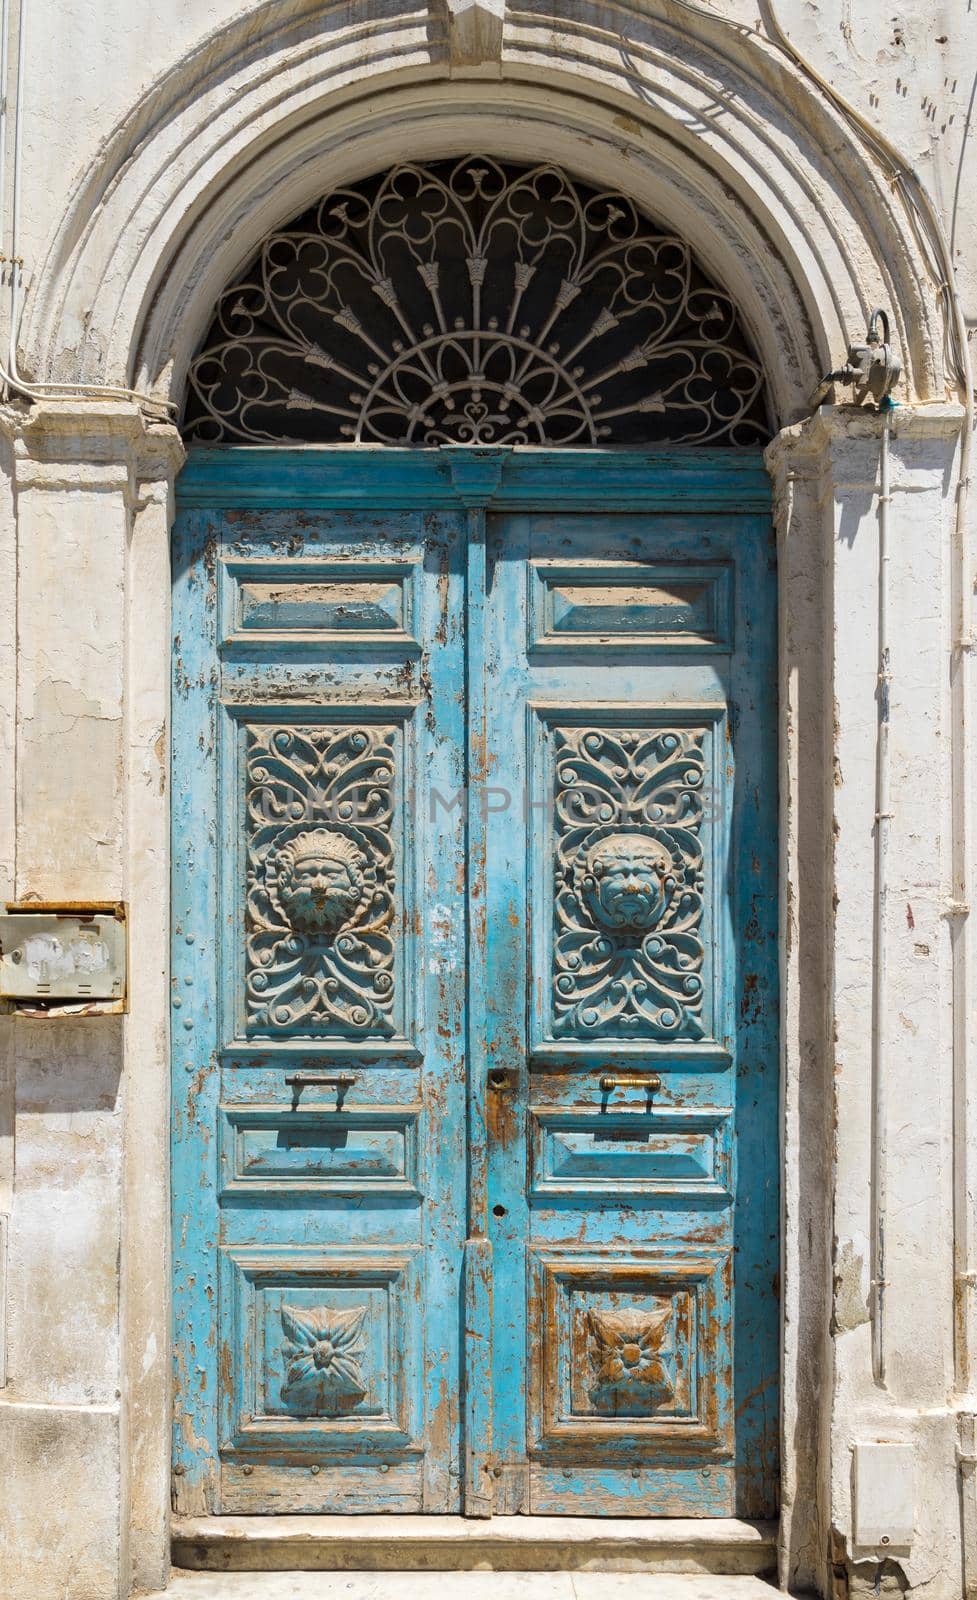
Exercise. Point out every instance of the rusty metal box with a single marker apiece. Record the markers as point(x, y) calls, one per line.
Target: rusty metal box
point(49, 954)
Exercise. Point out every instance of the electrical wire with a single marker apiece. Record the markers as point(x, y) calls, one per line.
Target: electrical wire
point(930, 234)
point(918, 202)
point(916, 196)
point(883, 817)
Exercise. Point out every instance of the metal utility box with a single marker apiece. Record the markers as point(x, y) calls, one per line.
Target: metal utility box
point(50, 953)
point(884, 1494)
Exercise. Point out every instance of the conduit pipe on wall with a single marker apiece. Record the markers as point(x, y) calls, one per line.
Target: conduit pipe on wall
point(873, 369)
point(883, 815)
point(10, 377)
point(921, 210)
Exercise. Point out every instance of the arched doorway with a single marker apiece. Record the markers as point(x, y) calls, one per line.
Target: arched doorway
point(474, 962)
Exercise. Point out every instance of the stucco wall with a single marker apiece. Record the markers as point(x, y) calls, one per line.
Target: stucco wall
point(908, 68)
point(139, 189)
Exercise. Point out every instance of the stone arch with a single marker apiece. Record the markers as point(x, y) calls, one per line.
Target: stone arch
point(705, 127)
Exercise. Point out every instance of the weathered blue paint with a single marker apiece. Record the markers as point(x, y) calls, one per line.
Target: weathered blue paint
point(646, 1379)
point(318, 1210)
point(249, 476)
point(463, 1275)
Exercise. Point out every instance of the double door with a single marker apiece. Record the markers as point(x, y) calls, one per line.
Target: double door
point(474, 1010)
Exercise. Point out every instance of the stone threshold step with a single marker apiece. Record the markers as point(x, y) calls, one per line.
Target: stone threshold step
point(718, 1545)
point(459, 1586)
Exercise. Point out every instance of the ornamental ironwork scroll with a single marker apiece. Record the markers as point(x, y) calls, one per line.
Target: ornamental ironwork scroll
point(628, 951)
point(320, 906)
point(471, 302)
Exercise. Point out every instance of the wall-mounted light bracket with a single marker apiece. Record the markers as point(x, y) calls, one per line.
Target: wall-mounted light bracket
point(871, 368)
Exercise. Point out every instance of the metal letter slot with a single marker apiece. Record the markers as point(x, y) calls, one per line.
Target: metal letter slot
point(62, 953)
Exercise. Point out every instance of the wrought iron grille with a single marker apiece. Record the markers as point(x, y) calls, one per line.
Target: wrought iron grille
point(468, 302)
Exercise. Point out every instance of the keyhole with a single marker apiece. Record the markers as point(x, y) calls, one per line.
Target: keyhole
point(498, 1211)
point(497, 1078)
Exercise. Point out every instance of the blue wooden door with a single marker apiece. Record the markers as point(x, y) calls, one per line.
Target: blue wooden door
point(318, 994)
point(474, 985)
point(632, 1037)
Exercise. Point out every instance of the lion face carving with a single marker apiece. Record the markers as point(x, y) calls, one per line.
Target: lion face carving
point(321, 879)
point(626, 880)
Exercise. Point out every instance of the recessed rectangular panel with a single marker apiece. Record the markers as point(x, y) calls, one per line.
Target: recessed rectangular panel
point(610, 1157)
point(629, 605)
point(324, 848)
point(626, 878)
point(323, 1349)
point(268, 1149)
point(643, 1490)
point(296, 604)
point(630, 1351)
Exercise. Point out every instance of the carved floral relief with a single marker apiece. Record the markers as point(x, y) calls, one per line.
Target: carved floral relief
point(629, 883)
point(323, 1349)
point(320, 895)
point(628, 1360)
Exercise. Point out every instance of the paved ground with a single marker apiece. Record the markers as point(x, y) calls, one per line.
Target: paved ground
point(459, 1586)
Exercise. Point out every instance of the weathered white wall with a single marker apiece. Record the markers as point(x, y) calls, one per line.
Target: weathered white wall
point(909, 68)
point(83, 1122)
point(910, 1399)
point(159, 140)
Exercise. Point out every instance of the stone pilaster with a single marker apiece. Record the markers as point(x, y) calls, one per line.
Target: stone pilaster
point(887, 1075)
point(88, 488)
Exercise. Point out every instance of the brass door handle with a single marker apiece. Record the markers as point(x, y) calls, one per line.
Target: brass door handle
point(341, 1082)
point(649, 1081)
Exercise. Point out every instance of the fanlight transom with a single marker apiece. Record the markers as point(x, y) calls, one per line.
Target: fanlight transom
point(470, 302)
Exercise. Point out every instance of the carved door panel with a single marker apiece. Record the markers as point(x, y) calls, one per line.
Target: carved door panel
point(318, 996)
point(632, 1034)
point(475, 1154)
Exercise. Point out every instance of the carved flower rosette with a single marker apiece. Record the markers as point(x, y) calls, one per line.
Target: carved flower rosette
point(629, 1361)
point(320, 896)
point(323, 1349)
point(628, 950)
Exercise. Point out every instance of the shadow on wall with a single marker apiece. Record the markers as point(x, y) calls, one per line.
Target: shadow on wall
point(68, 1067)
